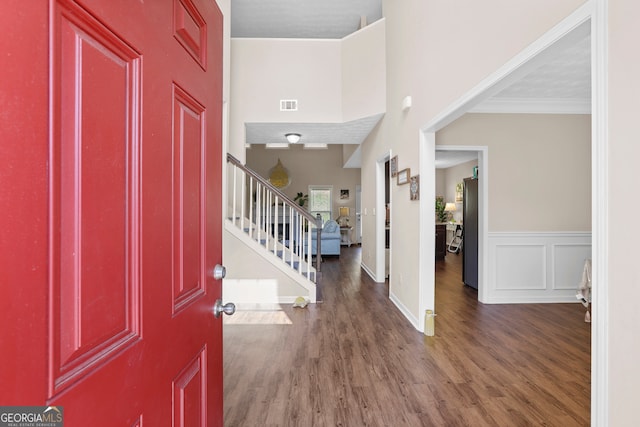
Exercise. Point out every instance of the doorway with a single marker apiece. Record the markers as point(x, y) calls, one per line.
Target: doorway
point(359, 214)
point(382, 179)
point(455, 170)
point(465, 153)
point(592, 19)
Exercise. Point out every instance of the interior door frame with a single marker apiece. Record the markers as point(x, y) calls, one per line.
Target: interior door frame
point(483, 213)
point(379, 220)
point(358, 214)
point(592, 15)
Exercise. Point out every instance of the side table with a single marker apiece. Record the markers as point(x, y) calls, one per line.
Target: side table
point(345, 236)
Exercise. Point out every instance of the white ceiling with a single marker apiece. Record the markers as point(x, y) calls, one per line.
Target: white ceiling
point(353, 132)
point(560, 84)
point(447, 159)
point(314, 19)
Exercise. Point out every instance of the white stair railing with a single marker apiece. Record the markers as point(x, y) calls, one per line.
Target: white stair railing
point(273, 220)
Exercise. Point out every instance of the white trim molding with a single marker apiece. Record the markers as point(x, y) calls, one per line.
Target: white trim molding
point(600, 404)
point(536, 267)
point(406, 312)
point(534, 106)
point(380, 275)
point(367, 270)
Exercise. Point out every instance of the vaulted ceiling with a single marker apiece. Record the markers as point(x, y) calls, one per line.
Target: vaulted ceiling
point(301, 19)
point(559, 84)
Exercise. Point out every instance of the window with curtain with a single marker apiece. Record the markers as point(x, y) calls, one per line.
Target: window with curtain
point(320, 201)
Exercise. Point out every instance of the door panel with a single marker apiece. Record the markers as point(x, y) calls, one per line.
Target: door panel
point(122, 213)
point(188, 144)
point(189, 393)
point(94, 212)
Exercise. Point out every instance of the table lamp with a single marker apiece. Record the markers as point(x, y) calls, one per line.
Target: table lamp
point(343, 219)
point(450, 207)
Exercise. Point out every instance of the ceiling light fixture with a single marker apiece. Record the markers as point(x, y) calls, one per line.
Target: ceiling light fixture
point(293, 138)
point(277, 145)
point(315, 146)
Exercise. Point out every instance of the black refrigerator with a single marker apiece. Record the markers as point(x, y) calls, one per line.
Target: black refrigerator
point(470, 230)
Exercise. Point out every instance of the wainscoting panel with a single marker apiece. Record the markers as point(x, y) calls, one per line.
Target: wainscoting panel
point(523, 267)
point(536, 267)
point(569, 258)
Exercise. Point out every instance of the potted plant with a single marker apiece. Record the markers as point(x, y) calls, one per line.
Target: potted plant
point(301, 199)
point(441, 215)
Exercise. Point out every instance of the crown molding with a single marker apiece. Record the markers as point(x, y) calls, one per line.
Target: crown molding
point(534, 106)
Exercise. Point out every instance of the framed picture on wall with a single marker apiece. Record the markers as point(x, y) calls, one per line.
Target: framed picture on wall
point(393, 166)
point(403, 176)
point(414, 188)
point(344, 194)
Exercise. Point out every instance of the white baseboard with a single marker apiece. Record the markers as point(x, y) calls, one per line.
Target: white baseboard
point(256, 292)
point(405, 311)
point(368, 271)
point(536, 267)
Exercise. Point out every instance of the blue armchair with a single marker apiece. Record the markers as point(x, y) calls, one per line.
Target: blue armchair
point(330, 239)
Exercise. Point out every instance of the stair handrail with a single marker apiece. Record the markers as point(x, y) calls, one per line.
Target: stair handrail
point(317, 219)
point(280, 194)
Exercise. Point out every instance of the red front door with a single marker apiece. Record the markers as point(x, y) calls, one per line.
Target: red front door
point(110, 219)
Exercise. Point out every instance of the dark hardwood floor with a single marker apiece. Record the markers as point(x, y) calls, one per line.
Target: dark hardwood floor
point(356, 361)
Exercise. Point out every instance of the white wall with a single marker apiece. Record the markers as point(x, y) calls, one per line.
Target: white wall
point(245, 288)
point(334, 81)
point(364, 72)
point(623, 281)
point(541, 267)
point(267, 70)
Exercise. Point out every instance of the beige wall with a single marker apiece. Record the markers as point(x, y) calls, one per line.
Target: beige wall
point(310, 167)
point(441, 182)
point(350, 153)
point(539, 168)
point(446, 180)
point(623, 282)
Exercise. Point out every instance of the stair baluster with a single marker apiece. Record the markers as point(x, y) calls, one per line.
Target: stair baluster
point(273, 220)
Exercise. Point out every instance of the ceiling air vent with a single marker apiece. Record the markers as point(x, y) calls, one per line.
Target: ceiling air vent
point(288, 105)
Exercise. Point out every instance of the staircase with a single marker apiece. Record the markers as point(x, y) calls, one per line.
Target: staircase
point(273, 225)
